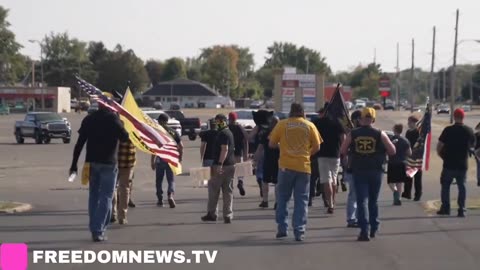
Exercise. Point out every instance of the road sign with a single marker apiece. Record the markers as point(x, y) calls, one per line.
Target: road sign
point(384, 86)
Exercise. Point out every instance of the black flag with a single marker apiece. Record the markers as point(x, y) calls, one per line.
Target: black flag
point(336, 109)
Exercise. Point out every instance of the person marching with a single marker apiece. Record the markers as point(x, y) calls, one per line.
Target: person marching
point(241, 145)
point(396, 172)
point(207, 147)
point(412, 135)
point(352, 220)
point(270, 163)
point(223, 171)
point(101, 131)
point(161, 167)
point(298, 139)
point(368, 147)
point(453, 147)
point(333, 135)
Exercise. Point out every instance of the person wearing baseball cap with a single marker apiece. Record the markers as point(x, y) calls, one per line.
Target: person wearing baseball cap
point(223, 171)
point(240, 138)
point(368, 147)
point(453, 147)
point(412, 135)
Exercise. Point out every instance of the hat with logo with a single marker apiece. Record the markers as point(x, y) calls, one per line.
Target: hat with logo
point(368, 112)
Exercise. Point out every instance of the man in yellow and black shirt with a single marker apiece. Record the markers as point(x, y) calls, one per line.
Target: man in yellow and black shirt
point(126, 163)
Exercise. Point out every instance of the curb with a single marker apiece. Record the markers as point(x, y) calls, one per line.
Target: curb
point(22, 207)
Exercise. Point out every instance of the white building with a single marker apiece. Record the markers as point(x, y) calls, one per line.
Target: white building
point(186, 93)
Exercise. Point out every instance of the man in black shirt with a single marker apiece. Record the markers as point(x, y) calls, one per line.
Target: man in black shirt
point(453, 147)
point(329, 156)
point(223, 171)
point(207, 147)
point(241, 145)
point(412, 135)
point(162, 167)
point(101, 131)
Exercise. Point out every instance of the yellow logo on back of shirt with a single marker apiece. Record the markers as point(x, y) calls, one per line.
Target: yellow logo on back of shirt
point(365, 145)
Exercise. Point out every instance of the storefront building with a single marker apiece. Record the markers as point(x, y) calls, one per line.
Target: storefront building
point(26, 99)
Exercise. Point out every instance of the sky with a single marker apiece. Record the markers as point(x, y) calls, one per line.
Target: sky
point(346, 32)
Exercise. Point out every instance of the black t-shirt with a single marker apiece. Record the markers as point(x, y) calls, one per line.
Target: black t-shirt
point(224, 137)
point(412, 136)
point(239, 137)
point(331, 132)
point(457, 140)
point(102, 130)
point(209, 137)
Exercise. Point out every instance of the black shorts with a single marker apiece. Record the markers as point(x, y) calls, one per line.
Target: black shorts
point(396, 173)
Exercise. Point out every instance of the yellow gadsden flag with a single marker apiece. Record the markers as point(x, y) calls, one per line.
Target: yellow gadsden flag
point(136, 127)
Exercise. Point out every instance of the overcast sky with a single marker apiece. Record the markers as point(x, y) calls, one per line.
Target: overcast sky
point(346, 32)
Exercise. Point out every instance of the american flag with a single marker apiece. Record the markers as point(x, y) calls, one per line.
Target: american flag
point(154, 138)
point(420, 158)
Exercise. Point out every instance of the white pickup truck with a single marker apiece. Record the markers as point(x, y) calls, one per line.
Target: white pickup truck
point(172, 123)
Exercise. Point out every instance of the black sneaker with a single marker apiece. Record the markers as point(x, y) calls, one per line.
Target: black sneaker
point(281, 235)
point(406, 196)
point(372, 234)
point(171, 202)
point(209, 217)
point(310, 203)
point(131, 204)
point(330, 210)
point(99, 238)
point(240, 188)
point(227, 220)
point(461, 214)
point(352, 225)
point(113, 219)
point(443, 212)
point(160, 203)
point(263, 205)
point(300, 238)
point(363, 237)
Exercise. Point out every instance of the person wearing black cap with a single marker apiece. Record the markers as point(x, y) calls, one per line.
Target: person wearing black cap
point(453, 147)
point(223, 171)
point(161, 167)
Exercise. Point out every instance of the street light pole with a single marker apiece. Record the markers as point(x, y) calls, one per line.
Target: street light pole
point(453, 90)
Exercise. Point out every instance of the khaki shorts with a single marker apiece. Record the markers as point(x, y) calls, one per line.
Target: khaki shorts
point(328, 168)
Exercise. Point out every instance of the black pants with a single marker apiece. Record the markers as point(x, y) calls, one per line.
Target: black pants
point(417, 182)
point(314, 177)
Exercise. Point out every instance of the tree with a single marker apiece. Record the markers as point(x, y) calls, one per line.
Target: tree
point(12, 64)
point(121, 69)
point(364, 81)
point(64, 58)
point(155, 71)
point(220, 68)
point(174, 69)
point(282, 54)
point(194, 68)
point(265, 78)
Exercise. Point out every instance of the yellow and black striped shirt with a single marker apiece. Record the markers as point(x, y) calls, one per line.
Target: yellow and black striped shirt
point(126, 155)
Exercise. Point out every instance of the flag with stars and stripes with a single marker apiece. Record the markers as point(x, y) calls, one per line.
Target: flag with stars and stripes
point(420, 158)
point(146, 134)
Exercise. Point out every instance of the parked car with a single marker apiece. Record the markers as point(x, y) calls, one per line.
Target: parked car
point(4, 110)
point(174, 106)
point(190, 126)
point(443, 109)
point(467, 108)
point(349, 105)
point(245, 119)
point(172, 123)
point(389, 106)
point(43, 126)
point(256, 104)
point(158, 105)
point(377, 106)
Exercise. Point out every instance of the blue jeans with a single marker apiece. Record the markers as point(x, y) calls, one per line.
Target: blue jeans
point(163, 168)
point(298, 183)
point(101, 187)
point(367, 186)
point(351, 199)
point(446, 180)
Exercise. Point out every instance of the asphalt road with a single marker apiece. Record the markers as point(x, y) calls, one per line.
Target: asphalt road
point(409, 238)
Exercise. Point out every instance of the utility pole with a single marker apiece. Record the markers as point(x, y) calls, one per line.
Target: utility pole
point(444, 85)
point(33, 74)
point(471, 88)
point(432, 75)
point(453, 90)
point(375, 56)
point(412, 77)
point(397, 88)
